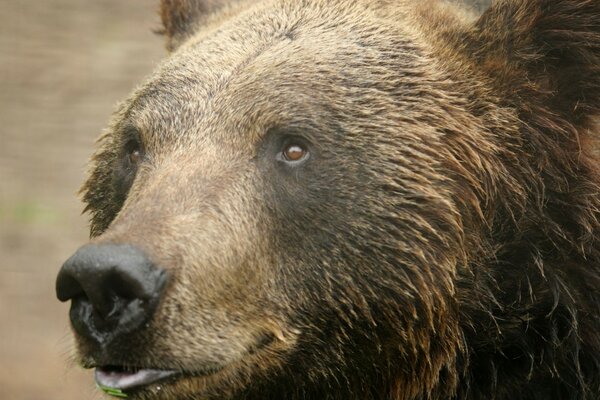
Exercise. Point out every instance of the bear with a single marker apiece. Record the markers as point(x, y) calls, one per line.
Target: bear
point(350, 199)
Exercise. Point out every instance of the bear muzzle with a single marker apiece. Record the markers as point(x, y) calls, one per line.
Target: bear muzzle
point(115, 291)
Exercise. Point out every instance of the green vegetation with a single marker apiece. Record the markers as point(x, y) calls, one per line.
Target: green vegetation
point(112, 391)
point(28, 212)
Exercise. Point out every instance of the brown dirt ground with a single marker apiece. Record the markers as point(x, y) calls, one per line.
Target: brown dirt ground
point(63, 66)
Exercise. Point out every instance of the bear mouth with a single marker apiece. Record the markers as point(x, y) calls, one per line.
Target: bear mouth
point(119, 378)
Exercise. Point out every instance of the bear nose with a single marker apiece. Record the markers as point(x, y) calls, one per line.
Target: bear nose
point(113, 288)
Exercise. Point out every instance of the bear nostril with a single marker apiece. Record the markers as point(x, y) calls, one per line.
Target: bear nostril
point(67, 287)
point(113, 288)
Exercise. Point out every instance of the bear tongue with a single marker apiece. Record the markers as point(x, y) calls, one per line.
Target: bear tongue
point(123, 380)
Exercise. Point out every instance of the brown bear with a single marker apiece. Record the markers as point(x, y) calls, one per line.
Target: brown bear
point(350, 199)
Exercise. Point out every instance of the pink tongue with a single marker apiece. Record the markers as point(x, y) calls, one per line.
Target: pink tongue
point(128, 380)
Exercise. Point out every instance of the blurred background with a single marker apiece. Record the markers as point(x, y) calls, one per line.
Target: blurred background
point(63, 66)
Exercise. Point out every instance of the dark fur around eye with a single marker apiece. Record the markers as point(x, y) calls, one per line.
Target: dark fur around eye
point(125, 167)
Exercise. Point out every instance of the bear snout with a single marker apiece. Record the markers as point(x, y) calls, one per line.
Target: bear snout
point(114, 289)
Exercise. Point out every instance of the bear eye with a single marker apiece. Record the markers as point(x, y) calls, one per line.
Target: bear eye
point(294, 153)
point(133, 152)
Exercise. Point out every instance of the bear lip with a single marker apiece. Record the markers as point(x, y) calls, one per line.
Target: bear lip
point(126, 379)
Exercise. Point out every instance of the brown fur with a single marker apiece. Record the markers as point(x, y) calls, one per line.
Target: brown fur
point(441, 242)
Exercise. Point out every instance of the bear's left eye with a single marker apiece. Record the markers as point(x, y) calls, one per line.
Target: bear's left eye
point(293, 153)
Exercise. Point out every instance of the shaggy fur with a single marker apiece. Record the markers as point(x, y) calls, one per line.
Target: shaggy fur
point(439, 242)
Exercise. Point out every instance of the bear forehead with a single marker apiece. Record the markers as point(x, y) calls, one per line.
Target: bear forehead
point(279, 63)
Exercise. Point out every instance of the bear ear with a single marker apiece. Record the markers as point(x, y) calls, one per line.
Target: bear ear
point(544, 51)
point(181, 17)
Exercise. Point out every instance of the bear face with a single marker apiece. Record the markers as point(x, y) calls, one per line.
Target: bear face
point(349, 200)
